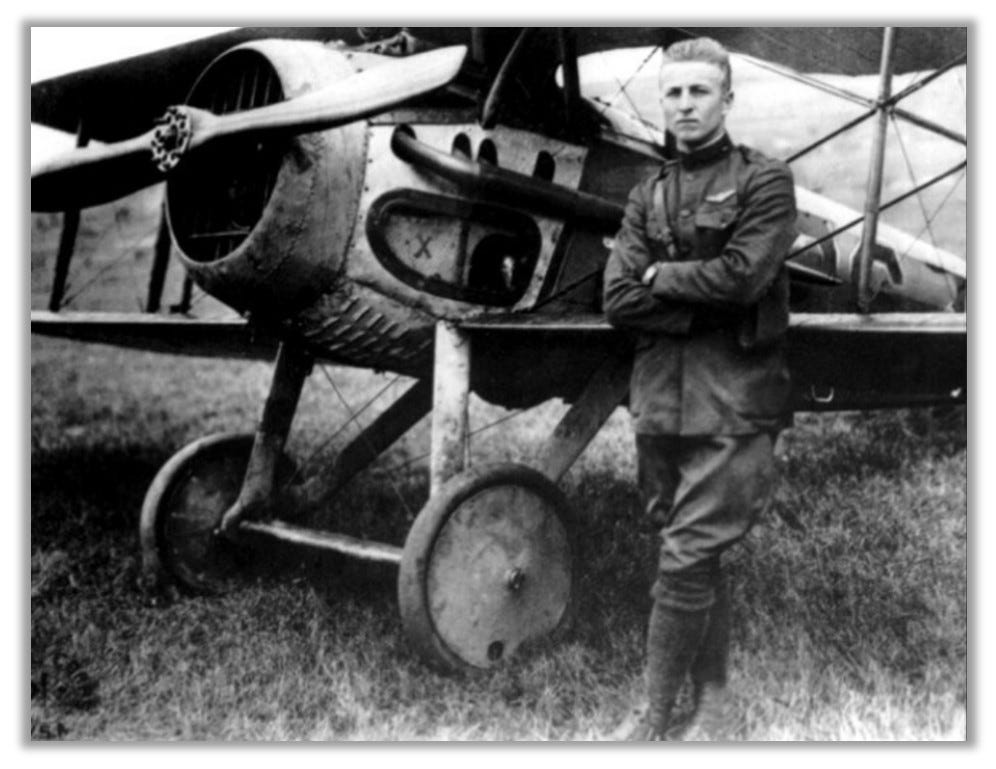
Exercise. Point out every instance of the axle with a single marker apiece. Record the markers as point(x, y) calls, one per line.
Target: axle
point(324, 540)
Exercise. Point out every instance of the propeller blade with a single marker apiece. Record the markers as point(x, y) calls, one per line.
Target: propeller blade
point(358, 96)
point(93, 175)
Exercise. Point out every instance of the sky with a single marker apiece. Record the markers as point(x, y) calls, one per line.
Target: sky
point(57, 50)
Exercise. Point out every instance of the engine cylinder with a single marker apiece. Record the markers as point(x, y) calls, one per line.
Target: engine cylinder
point(264, 225)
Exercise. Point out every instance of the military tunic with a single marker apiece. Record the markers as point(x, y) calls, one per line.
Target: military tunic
point(710, 384)
point(709, 329)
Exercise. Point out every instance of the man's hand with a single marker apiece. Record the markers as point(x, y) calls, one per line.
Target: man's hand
point(649, 273)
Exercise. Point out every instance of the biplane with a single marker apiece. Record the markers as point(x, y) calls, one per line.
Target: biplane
point(439, 202)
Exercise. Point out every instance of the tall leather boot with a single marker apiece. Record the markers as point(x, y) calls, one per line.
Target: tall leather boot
point(712, 718)
point(673, 639)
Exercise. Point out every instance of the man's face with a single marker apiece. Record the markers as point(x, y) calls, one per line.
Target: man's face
point(695, 103)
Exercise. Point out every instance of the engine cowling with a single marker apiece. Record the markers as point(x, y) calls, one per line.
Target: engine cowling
point(264, 225)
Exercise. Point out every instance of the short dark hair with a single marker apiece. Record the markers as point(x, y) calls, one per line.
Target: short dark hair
point(701, 49)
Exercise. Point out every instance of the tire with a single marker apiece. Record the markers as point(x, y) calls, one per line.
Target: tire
point(184, 506)
point(488, 567)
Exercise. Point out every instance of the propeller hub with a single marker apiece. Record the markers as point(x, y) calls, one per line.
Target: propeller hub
point(171, 138)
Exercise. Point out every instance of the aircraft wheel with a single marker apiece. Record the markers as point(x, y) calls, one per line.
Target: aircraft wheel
point(489, 565)
point(182, 510)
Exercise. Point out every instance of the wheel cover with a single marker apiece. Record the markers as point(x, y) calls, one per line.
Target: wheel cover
point(499, 574)
point(190, 511)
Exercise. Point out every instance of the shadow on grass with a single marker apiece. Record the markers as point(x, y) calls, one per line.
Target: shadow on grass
point(84, 490)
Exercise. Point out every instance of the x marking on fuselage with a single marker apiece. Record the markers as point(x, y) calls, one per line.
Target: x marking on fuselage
point(423, 247)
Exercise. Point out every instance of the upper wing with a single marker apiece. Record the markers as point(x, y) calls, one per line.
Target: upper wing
point(828, 50)
point(123, 98)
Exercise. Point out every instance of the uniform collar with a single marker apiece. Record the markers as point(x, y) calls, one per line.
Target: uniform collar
point(706, 155)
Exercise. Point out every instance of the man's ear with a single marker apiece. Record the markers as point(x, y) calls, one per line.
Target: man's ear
point(727, 101)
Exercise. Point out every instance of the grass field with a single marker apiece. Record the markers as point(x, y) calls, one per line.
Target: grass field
point(853, 629)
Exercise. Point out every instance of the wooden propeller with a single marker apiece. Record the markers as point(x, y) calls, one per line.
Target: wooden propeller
point(92, 175)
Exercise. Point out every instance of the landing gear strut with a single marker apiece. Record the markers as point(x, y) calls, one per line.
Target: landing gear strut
point(183, 509)
point(489, 566)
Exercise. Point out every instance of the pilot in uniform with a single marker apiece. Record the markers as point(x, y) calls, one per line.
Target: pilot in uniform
point(697, 275)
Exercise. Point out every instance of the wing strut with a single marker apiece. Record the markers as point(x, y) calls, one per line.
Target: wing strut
point(489, 112)
point(160, 262)
point(572, 80)
point(67, 240)
point(873, 194)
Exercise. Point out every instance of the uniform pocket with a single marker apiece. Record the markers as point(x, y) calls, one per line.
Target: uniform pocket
point(713, 227)
point(717, 216)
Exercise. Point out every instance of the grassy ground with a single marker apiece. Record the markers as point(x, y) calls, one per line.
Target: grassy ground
point(853, 630)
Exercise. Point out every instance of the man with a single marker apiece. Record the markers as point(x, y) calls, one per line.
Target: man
point(697, 275)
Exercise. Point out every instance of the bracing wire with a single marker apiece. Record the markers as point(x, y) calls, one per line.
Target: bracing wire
point(127, 250)
point(830, 136)
point(864, 100)
point(813, 82)
point(198, 298)
point(640, 119)
point(130, 249)
point(927, 218)
point(884, 206)
point(349, 409)
point(624, 86)
point(964, 99)
point(501, 420)
point(313, 455)
point(916, 85)
point(394, 469)
point(569, 287)
point(912, 175)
